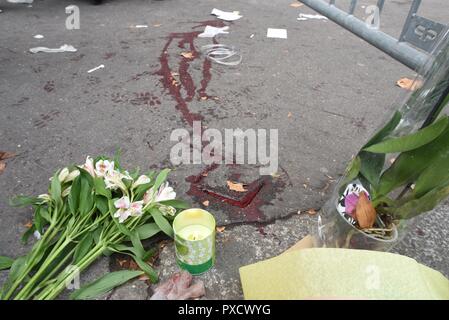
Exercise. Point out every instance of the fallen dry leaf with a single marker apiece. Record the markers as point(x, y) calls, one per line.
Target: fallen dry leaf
point(2, 166)
point(311, 211)
point(220, 229)
point(234, 186)
point(157, 25)
point(204, 174)
point(206, 203)
point(28, 225)
point(187, 55)
point(289, 115)
point(6, 155)
point(409, 84)
point(204, 98)
point(296, 5)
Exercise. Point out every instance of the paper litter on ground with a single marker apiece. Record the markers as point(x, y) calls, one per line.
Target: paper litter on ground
point(224, 15)
point(139, 26)
point(304, 16)
point(277, 33)
point(63, 48)
point(101, 66)
point(38, 36)
point(210, 32)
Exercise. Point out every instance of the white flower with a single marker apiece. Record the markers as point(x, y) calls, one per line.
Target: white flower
point(126, 209)
point(136, 208)
point(103, 167)
point(164, 193)
point(63, 175)
point(72, 175)
point(37, 235)
point(143, 179)
point(89, 166)
point(44, 197)
point(113, 180)
point(66, 192)
point(122, 205)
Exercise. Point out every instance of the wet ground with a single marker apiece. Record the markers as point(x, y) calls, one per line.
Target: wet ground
point(324, 89)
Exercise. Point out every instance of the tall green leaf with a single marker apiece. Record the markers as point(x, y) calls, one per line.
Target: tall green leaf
point(55, 190)
point(100, 188)
point(412, 208)
point(386, 130)
point(411, 141)
point(176, 203)
point(137, 245)
point(104, 284)
point(162, 223)
point(409, 165)
point(147, 269)
point(83, 247)
point(161, 177)
point(23, 201)
point(435, 175)
point(86, 201)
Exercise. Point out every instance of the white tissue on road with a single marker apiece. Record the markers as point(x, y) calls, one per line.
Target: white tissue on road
point(277, 33)
point(38, 36)
point(224, 15)
point(101, 66)
point(63, 48)
point(303, 16)
point(210, 32)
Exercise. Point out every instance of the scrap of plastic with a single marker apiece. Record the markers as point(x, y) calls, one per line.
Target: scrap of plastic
point(277, 33)
point(227, 16)
point(101, 66)
point(63, 48)
point(222, 54)
point(303, 16)
point(210, 32)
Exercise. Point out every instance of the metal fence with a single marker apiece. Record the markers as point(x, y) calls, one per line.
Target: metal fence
point(418, 37)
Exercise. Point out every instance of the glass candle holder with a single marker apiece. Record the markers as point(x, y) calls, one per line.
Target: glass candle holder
point(194, 231)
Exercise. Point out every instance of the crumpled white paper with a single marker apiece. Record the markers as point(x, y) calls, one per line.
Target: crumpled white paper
point(63, 48)
point(224, 15)
point(303, 17)
point(210, 32)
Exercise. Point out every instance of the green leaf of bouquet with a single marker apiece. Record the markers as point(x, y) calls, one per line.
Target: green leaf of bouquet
point(137, 245)
point(86, 201)
point(160, 179)
point(386, 130)
point(435, 175)
point(44, 213)
point(74, 195)
point(38, 221)
point(140, 191)
point(55, 190)
point(5, 262)
point(412, 208)
point(104, 284)
point(100, 188)
point(148, 230)
point(409, 165)
point(372, 165)
point(83, 247)
point(102, 204)
point(26, 235)
point(23, 201)
point(176, 203)
point(162, 223)
point(411, 141)
point(147, 269)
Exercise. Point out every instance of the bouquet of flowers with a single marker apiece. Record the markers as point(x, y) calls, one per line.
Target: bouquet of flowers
point(92, 209)
point(401, 172)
